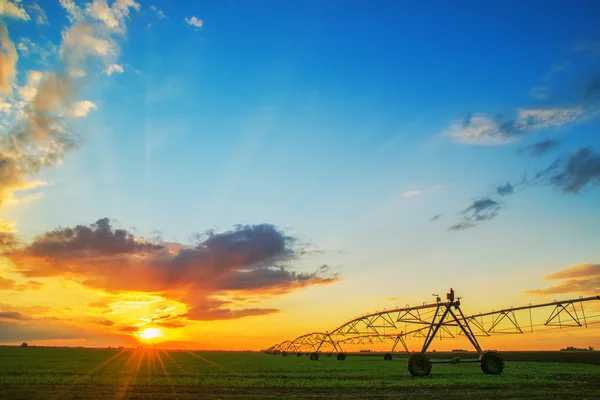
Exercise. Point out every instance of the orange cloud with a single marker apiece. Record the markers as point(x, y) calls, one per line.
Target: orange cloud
point(251, 259)
point(581, 279)
point(11, 284)
point(105, 322)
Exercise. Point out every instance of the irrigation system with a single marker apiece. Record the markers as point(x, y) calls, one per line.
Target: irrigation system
point(441, 319)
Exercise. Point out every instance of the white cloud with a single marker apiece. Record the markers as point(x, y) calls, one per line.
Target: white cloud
point(28, 47)
point(159, 13)
point(484, 130)
point(477, 130)
point(5, 106)
point(194, 21)
point(73, 12)
point(81, 109)
point(542, 118)
point(86, 37)
point(13, 10)
point(8, 61)
point(412, 193)
point(417, 192)
point(29, 90)
point(41, 17)
point(114, 69)
point(112, 16)
point(81, 41)
point(76, 72)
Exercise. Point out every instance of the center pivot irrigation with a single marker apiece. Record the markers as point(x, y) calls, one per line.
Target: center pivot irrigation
point(439, 319)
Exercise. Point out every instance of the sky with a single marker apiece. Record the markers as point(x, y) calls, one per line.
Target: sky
point(229, 175)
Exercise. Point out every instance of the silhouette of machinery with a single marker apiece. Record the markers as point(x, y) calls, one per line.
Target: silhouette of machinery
point(429, 321)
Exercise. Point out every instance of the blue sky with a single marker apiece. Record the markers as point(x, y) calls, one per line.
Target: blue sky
point(348, 124)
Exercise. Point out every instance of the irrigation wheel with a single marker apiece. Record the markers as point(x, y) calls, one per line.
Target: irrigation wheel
point(491, 363)
point(341, 356)
point(419, 365)
point(387, 357)
point(314, 356)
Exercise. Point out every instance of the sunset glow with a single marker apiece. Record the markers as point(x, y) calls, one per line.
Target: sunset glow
point(229, 175)
point(151, 334)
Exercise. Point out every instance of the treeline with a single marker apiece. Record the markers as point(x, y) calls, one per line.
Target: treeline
point(571, 348)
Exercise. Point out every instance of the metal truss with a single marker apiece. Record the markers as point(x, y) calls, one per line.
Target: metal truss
point(440, 319)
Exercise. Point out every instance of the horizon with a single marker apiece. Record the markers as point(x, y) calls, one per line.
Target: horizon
point(234, 175)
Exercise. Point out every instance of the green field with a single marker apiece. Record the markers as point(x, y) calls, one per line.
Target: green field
point(60, 373)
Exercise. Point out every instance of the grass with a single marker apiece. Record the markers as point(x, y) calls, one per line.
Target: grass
point(55, 373)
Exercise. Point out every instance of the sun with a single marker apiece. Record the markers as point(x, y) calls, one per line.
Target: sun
point(150, 334)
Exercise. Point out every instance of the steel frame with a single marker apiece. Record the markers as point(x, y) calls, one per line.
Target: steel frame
point(432, 320)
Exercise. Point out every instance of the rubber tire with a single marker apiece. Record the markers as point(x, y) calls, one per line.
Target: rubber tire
point(419, 364)
point(341, 356)
point(314, 356)
point(491, 363)
point(387, 357)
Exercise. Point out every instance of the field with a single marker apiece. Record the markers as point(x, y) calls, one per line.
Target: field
point(61, 373)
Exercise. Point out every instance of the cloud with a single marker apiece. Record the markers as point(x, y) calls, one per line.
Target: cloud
point(5, 106)
point(40, 136)
point(81, 109)
point(540, 148)
point(412, 193)
point(113, 16)
point(194, 21)
point(6, 283)
point(485, 130)
point(570, 175)
point(29, 48)
point(29, 310)
point(73, 11)
point(95, 240)
point(505, 189)
point(8, 60)
point(129, 329)
point(540, 92)
point(40, 15)
point(159, 13)
point(172, 324)
point(31, 330)
point(14, 315)
point(418, 192)
point(461, 226)
point(576, 271)
point(114, 69)
point(581, 279)
point(28, 91)
point(11, 284)
point(483, 209)
point(582, 168)
point(83, 41)
point(104, 322)
point(253, 259)
point(435, 217)
point(98, 304)
point(12, 9)
point(213, 310)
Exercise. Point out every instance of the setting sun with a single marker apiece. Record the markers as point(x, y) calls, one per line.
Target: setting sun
point(150, 334)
